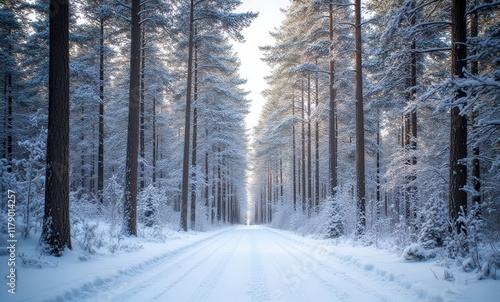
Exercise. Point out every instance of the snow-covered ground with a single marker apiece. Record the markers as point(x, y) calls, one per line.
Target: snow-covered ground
point(244, 263)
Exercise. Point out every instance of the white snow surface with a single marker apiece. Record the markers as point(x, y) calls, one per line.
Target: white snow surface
point(243, 263)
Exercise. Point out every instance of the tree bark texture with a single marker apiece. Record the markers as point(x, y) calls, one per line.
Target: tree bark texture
point(131, 164)
point(100, 155)
point(332, 117)
point(195, 139)
point(56, 224)
point(187, 124)
point(360, 124)
point(458, 128)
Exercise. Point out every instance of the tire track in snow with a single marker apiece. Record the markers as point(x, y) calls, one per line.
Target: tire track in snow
point(97, 288)
point(323, 266)
point(298, 274)
point(166, 272)
point(258, 287)
point(207, 285)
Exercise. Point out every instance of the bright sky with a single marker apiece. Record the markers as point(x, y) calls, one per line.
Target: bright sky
point(252, 68)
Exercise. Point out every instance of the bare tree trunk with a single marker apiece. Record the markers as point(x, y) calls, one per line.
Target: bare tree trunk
point(458, 131)
point(142, 153)
point(270, 192)
point(304, 196)
point(214, 195)
point(195, 138)
point(187, 124)
point(360, 126)
point(100, 150)
point(332, 122)
point(5, 119)
point(316, 147)
point(56, 234)
point(378, 169)
point(153, 180)
point(207, 179)
point(476, 166)
point(224, 198)
point(294, 159)
point(82, 153)
point(7, 114)
point(410, 134)
point(8, 92)
point(130, 203)
point(281, 180)
point(219, 187)
point(309, 153)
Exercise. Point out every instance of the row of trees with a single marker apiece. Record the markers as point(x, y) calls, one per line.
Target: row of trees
point(386, 137)
point(157, 72)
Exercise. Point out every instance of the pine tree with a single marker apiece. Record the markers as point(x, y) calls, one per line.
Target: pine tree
point(131, 167)
point(56, 226)
point(458, 132)
point(360, 128)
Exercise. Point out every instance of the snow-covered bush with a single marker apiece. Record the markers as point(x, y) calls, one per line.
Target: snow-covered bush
point(31, 183)
point(113, 205)
point(91, 239)
point(117, 245)
point(417, 252)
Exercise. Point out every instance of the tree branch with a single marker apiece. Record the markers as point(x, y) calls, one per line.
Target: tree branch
point(482, 6)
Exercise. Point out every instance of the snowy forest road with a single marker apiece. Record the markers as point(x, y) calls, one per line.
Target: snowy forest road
point(253, 264)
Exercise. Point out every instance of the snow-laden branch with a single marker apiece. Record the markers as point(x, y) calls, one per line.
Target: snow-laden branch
point(129, 6)
point(309, 67)
point(427, 50)
point(482, 6)
point(124, 18)
point(346, 23)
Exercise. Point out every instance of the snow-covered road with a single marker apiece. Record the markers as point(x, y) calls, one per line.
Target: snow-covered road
point(242, 263)
point(250, 264)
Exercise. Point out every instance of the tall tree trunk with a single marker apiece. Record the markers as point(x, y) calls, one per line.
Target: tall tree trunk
point(410, 133)
point(195, 138)
point(332, 120)
point(142, 126)
point(100, 155)
point(187, 124)
point(207, 179)
point(153, 180)
point(281, 180)
point(8, 92)
point(377, 180)
point(56, 224)
point(224, 198)
point(458, 127)
point(316, 147)
point(294, 159)
point(82, 153)
point(476, 166)
point(130, 201)
point(7, 114)
point(213, 205)
point(360, 128)
point(413, 134)
point(309, 153)
point(304, 196)
point(270, 199)
point(5, 119)
point(219, 186)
